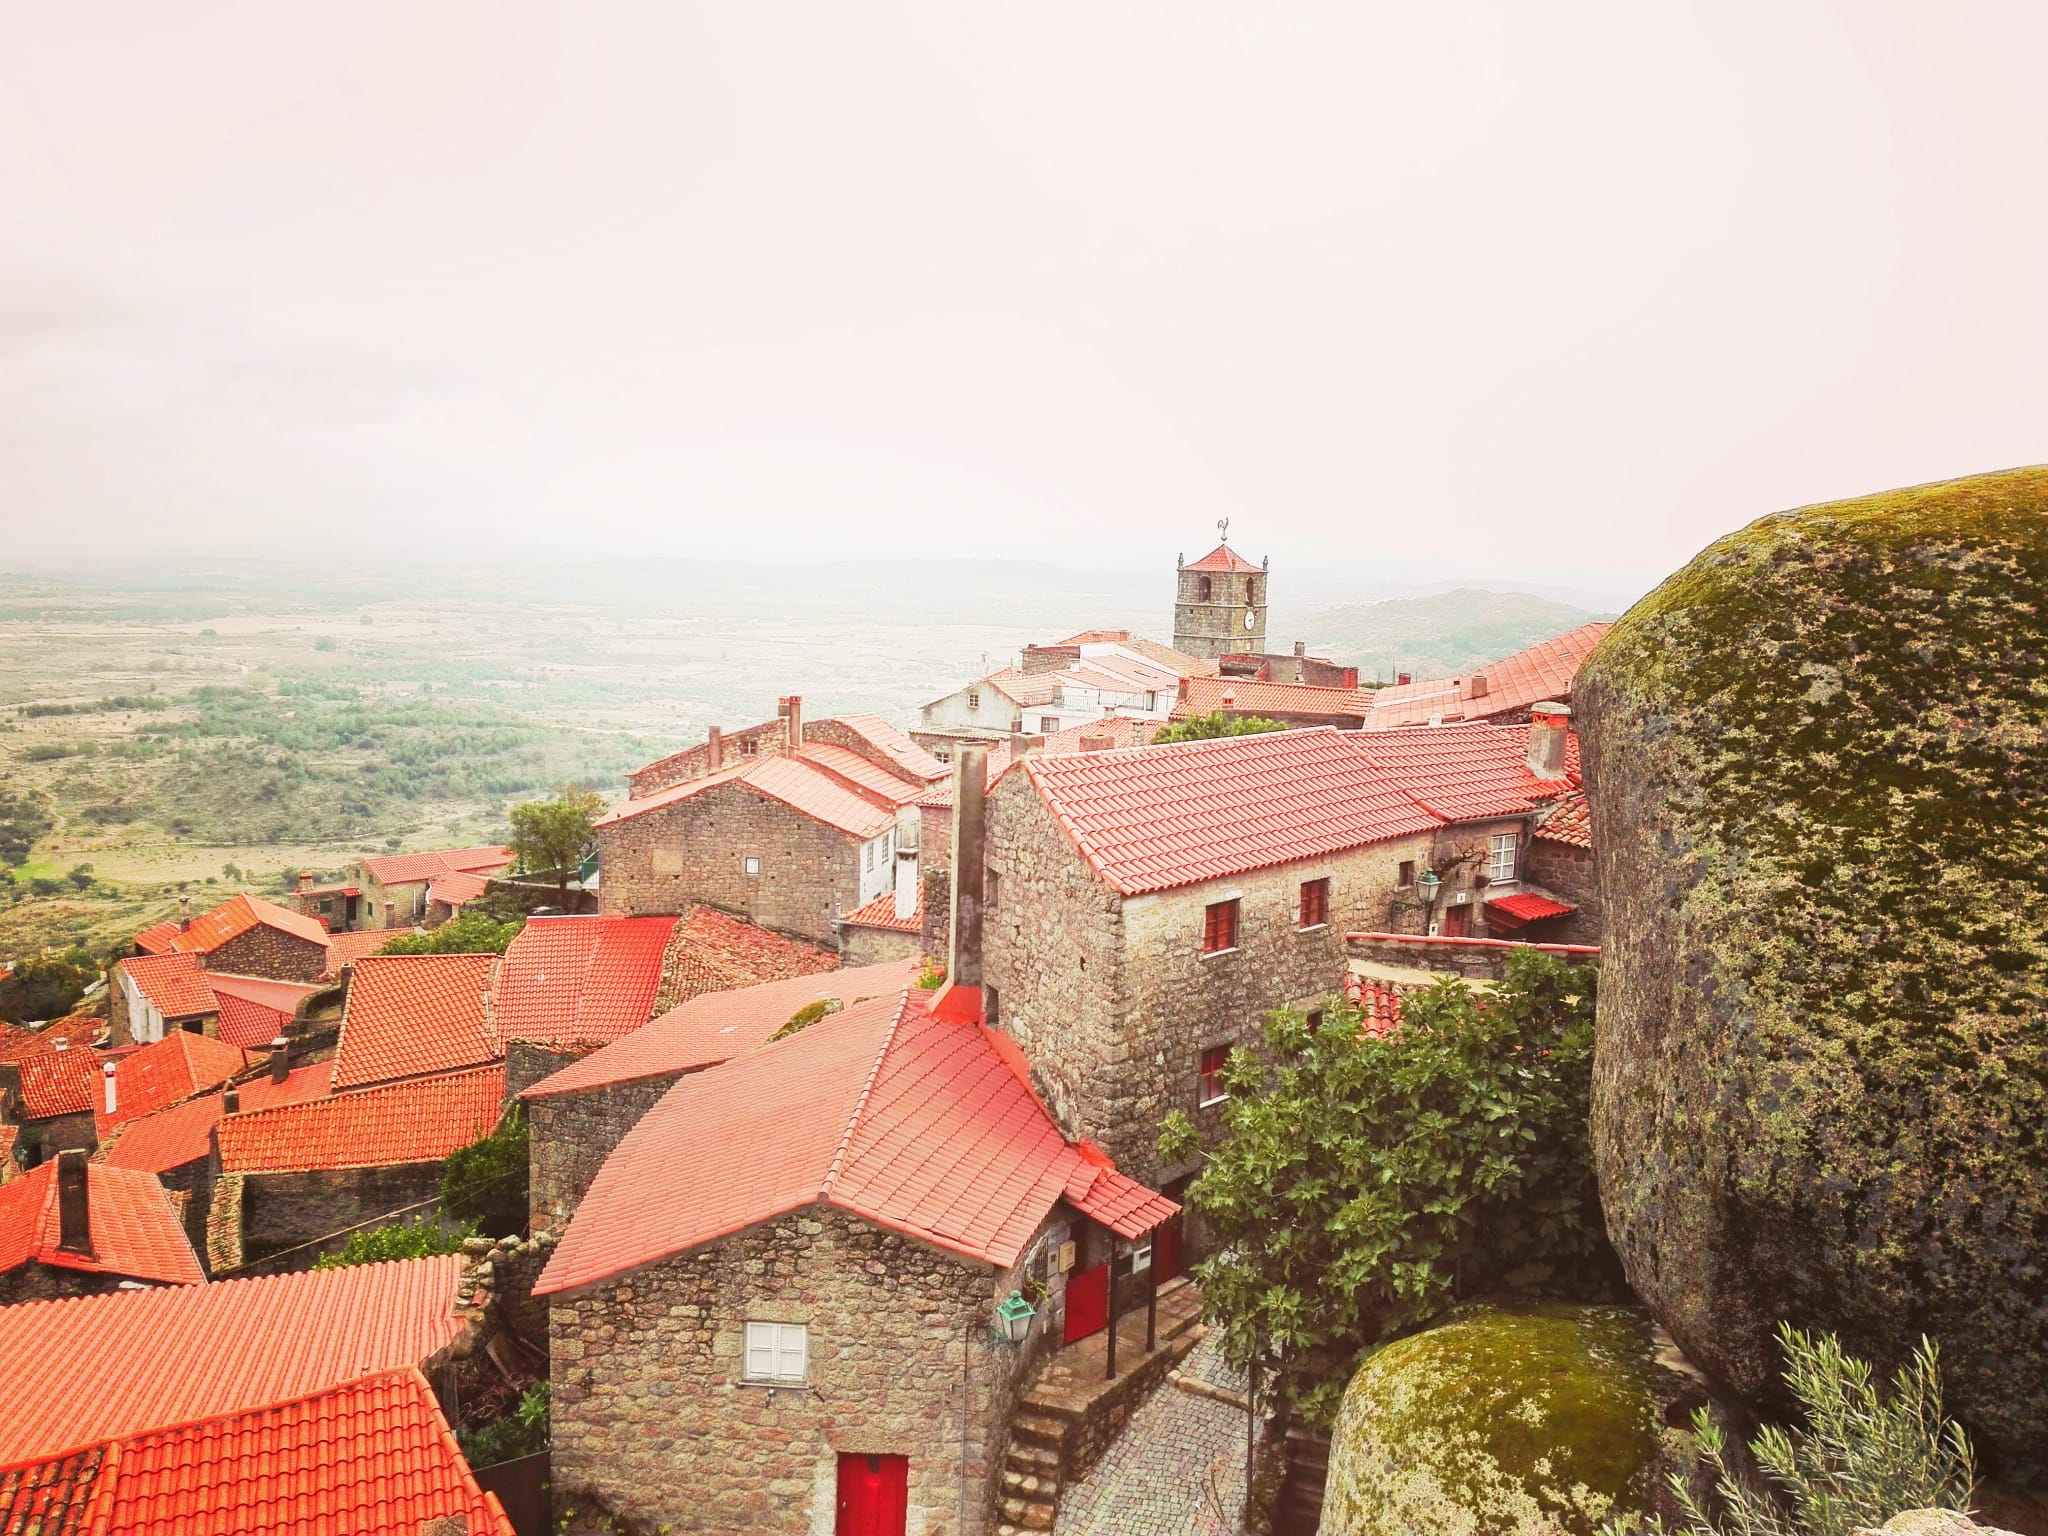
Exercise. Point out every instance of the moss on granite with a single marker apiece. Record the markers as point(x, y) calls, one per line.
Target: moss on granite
point(1818, 759)
point(1527, 1421)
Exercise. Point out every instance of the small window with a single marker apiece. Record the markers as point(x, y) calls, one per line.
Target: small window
point(1315, 903)
point(1315, 1019)
point(991, 1010)
point(1151, 702)
point(778, 1354)
point(974, 698)
point(1209, 1087)
point(1048, 725)
point(1251, 592)
point(990, 879)
point(748, 746)
point(1207, 589)
point(1500, 857)
point(1219, 927)
point(753, 866)
point(1406, 876)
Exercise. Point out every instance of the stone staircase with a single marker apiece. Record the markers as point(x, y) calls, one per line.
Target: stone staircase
point(1069, 1413)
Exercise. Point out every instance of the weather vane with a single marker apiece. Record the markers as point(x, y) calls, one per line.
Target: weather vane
point(1223, 528)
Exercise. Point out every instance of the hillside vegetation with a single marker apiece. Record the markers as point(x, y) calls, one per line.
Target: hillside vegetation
point(1438, 636)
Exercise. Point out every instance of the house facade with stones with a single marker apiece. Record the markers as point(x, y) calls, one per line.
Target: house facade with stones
point(245, 936)
point(796, 1313)
point(1144, 910)
point(791, 840)
point(395, 891)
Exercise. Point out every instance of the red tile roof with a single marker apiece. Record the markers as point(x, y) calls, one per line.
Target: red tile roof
point(1248, 696)
point(1156, 817)
point(581, 980)
point(1571, 821)
point(716, 952)
point(454, 889)
point(134, 1232)
point(1179, 663)
point(171, 1138)
point(409, 1015)
point(411, 868)
point(869, 780)
point(911, 1122)
point(881, 913)
point(804, 783)
point(1378, 1003)
point(75, 1030)
point(420, 1120)
point(254, 1010)
point(63, 1080)
point(373, 1457)
point(173, 1068)
point(1026, 688)
point(1543, 671)
point(1468, 772)
point(344, 949)
point(714, 1027)
point(175, 983)
point(897, 747)
point(165, 1357)
point(236, 916)
point(1119, 730)
point(1528, 907)
point(1224, 558)
point(158, 938)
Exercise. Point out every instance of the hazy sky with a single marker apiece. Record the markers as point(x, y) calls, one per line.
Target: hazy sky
point(1560, 290)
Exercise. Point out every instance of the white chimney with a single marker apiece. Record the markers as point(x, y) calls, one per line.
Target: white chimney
point(906, 884)
point(113, 1096)
point(1549, 724)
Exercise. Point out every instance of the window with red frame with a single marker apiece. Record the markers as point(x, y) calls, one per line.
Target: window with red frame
point(1219, 927)
point(1315, 903)
point(1209, 1087)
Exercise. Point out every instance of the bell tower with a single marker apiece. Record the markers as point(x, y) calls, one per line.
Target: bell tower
point(1220, 608)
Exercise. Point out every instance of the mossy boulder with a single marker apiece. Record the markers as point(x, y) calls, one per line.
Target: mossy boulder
point(1541, 1420)
point(1818, 764)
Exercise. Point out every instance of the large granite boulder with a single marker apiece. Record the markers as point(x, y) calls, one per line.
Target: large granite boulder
point(1818, 763)
point(1544, 1420)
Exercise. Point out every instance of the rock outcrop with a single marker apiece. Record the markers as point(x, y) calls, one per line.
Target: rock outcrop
point(1818, 760)
point(1546, 1420)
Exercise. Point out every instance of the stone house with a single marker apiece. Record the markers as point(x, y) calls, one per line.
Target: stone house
point(790, 840)
point(47, 1098)
point(70, 1228)
point(152, 995)
point(1145, 909)
point(141, 1081)
point(245, 936)
point(868, 736)
point(397, 890)
point(1501, 691)
point(777, 1306)
point(1063, 687)
point(1297, 666)
point(1561, 861)
point(578, 1114)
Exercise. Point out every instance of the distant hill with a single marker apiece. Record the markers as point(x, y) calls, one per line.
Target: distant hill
point(1440, 635)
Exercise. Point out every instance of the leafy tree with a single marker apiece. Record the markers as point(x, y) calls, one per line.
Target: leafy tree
point(554, 835)
point(1209, 727)
point(400, 1240)
point(80, 877)
point(473, 933)
point(45, 989)
point(43, 885)
point(485, 1183)
point(23, 819)
point(1365, 1185)
point(1859, 1457)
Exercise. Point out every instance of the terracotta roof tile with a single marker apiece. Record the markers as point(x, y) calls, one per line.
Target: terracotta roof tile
point(373, 1457)
point(411, 868)
point(63, 1080)
point(171, 1138)
point(869, 780)
point(714, 951)
point(235, 917)
point(344, 949)
point(1543, 671)
point(581, 980)
point(1248, 696)
point(420, 1120)
point(409, 1015)
point(917, 1124)
point(167, 1357)
point(805, 786)
point(1026, 688)
point(1118, 730)
point(173, 1068)
point(134, 1232)
point(455, 888)
point(881, 913)
point(1528, 907)
point(1570, 822)
point(1468, 772)
point(158, 938)
point(1156, 817)
point(175, 983)
point(75, 1030)
point(895, 745)
point(716, 1026)
point(254, 1010)
point(1224, 558)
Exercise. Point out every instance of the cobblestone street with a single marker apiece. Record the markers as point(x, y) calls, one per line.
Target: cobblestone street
point(1177, 1470)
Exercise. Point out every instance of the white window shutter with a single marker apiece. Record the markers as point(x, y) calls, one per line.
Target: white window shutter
point(795, 1353)
point(760, 1351)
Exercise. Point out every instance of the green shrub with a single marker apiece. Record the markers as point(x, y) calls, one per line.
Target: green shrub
point(486, 1182)
point(522, 1432)
point(473, 933)
point(1365, 1185)
point(1860, 1457)
point(402, 1240)
point(1209, 727)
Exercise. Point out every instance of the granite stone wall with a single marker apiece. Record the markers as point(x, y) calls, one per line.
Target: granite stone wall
point(569, 1135)
point(264, 951)
point(860, 945)
point(1568, 872)
point(31, 1281)
point(651, 1417)
point(286, 1210)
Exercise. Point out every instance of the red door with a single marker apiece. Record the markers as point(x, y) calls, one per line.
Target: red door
point(1457, 922)
point(874, 1495)
point(1087, 1302)
point(1166, 1251)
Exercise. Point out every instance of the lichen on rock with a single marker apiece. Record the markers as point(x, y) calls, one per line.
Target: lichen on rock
point(1543, 1420)
point(1818, 759)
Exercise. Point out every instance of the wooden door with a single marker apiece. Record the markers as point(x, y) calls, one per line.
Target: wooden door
point(874, 1495)
point(1457, 922)
point(1087, 1302)
point(1166, 1250)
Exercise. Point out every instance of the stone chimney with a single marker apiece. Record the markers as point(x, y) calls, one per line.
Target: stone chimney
point(1549, 724)
point(305, 880)
point(714, 749)
point(280, 1059)
point(791, 710)
point(970, 849)
point(1021, 745)
point(1095, 741)
point(74, 1203)
point(184, 913)
point(113, 1094)
point(1301, 647)
point(1476, 686)
point(231, 1101)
